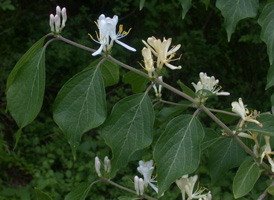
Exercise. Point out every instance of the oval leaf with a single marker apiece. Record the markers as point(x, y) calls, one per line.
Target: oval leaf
point(137, 82)
point(186, 4)
point(25, 93)
point(267, 24)
point(270, 77)
point(80, 192)
point(177, 151)
point(40, 195)
point(245, 179)
point(268, 125)
point(235, 10)
point(128, 129)
point(225, 154)
point(80, 105)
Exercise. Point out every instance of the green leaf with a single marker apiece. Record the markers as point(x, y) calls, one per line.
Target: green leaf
point(40, 195)
point(142, 3)
point(80, 192)
point(270, 77)
point(128, 129)
point(211, 137)
point(271, 190)
point(177, 151)
point(245, 179)
point(206, 2)
point(272, 101)
point(186, 4)
point(225, 154)
point(186, 89)
point(227, 118)
point(26, 86)
point(137, 82)
point(80, 105)
point(267, 24)
point(109, 71)
point(268, 124)
point(235, 10)
point(17, 137)
point(24, 59)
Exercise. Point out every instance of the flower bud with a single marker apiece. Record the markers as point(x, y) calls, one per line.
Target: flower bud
point(98, 166)
point(107, 165)
point(141, 186)
point(64, 16)
point(51, 22)
point(136, 184)
point(58, 10)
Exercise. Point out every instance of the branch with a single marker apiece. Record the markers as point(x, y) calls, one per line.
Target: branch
point(262, 196)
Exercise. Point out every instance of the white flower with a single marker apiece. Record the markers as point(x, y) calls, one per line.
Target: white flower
point(146, 169)
point(98, 166)
point(55, 20)
point(107, 165)
point(209, 83)
point(148, 61)
point(239, 108)
point(107, 31)
point(267, 152)
point(158, 91)
point(186, 185)
point(160, 49)
point(139, 185)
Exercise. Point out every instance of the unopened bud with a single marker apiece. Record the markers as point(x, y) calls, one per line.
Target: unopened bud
point(58, 10)
point(57, 23)
point(64, 17)
point(98, 166)
point(107, 165)
point(51, 22)
point(141, 186)
point(136, 184)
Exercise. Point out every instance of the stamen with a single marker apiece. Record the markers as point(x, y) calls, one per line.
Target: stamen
point(97, 36)
point(90, 35)
point(96, 24)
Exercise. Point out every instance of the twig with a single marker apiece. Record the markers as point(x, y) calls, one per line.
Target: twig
point(222, 111)
point(262, 196)
point(197, 112)
point(176, 104)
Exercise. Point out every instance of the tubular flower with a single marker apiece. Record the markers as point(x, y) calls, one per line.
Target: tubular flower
point(158, 91)
point(98, 166)
point(146, 169)
point(160, 49)
point(139, 185)
point(186, 185)
point(55, 20)
point(148, 61)
point(267, 152)
point(107, 34)
point(209, 83)
point(240, 108)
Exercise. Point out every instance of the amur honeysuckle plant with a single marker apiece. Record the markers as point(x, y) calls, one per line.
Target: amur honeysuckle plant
point(80, 106)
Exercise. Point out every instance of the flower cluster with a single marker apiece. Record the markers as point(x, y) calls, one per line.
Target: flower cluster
point(158, 91)
point(55, 20)
point(146, 169)
point(209, 83)
point(160, 49)
point(107, 34)
point(186, 185)
point(107, 165)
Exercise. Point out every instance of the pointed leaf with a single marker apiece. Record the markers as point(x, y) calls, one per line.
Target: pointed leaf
point(268, 124)
point(142, 3)
point(186, 4)
point(270, 77)
point(26, 90)
point(211, 137)
point(137, 82)
point(267, 24)
point(186, 89)
point(24, 59)
point(271, 191)
point(245, 179)
point(206, 2)
point(40, 195)
point(177, 151)
point(225, 154)
point(128, 129)
point(80, 105)
point(80, 192)
point(235, 10)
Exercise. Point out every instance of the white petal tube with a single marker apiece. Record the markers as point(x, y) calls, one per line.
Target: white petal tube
point(125, 45)
point(99, 50)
